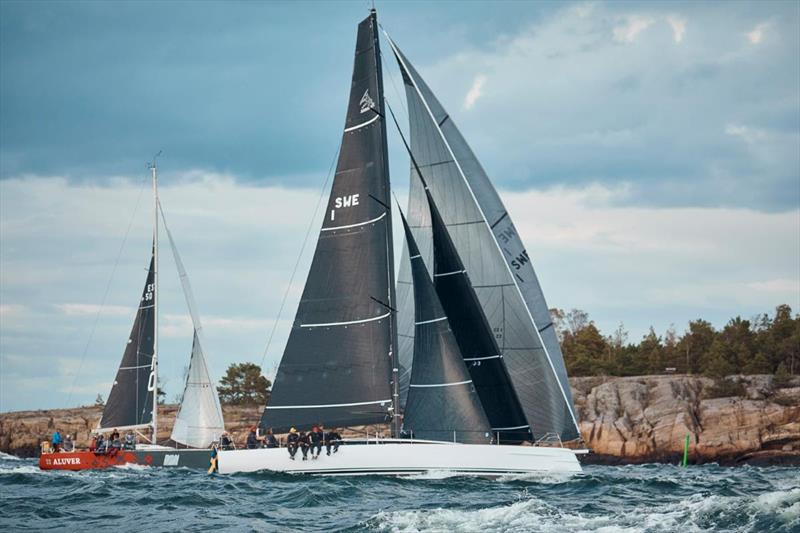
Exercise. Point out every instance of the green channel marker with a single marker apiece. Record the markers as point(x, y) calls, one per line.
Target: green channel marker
point(686, 450)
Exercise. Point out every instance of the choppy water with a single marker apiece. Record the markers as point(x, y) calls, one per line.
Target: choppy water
point(605, 498)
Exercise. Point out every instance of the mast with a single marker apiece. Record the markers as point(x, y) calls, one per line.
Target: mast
point(395, 425)
point(154, 170)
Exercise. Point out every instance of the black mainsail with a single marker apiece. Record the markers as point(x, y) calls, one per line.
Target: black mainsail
point(130, 402)
point(500, 269)
point(442, 402)
point(337, 364)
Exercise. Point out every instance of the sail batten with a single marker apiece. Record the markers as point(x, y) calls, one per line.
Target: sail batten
point(455, 175)
point(338, 358)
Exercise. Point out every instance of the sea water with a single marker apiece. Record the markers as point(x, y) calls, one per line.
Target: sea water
point(603, 498)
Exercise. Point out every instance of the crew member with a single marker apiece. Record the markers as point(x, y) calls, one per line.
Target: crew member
point(113, 440)
point(252, 439)
point(56, 441)
point(316, 438)
point(69, 446)
point(100, 444)
point(225, 442)
point(130, 441)
point(270, 439)
point(305, 443)
point(332, 440)
point(292, 442)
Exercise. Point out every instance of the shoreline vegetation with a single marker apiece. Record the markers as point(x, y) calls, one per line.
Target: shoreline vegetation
point(734, 392)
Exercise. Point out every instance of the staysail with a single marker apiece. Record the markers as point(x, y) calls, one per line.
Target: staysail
point(442, 401)
point(130, 402)
point(336, 367)
point(199, 421)
point(500, 269)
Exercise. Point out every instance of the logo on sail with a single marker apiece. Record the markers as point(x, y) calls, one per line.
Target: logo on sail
point(366, 102)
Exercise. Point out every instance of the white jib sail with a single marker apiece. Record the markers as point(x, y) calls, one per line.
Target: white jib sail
point(199, 420)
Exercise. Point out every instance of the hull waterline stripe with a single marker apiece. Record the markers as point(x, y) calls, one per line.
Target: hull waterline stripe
point(482, 358)
point(449, 273)
point(357, 126)
point(328, 405)
point(430, 321)
point(345, 323)
point(334, 228)
point(442, 384)
point(508, 429)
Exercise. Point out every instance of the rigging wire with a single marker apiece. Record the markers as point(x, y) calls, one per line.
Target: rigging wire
point(107, 290)
point(300, 255)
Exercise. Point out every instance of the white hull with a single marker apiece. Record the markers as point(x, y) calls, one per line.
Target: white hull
point(406, 458)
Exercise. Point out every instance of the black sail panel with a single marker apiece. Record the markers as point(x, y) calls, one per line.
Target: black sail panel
point(442, 402)
point(336, 367)
point(474, 336)
point(130, 402)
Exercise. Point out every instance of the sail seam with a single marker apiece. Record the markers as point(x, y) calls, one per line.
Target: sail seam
point(346, 323)
point(508, 429)
point(134, 367)
point(483, 358)
point(430, 321)
point(486, 221)
point(415, 256)
point(354, 404)
point(366, 123)
point(431, 385)
point(333, 228)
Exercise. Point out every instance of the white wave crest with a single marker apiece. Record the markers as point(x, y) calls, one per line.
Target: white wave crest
point(8, 457)
point(26, 469)
point(692, 514)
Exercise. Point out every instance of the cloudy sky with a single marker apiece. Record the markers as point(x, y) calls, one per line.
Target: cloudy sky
point(648, 152)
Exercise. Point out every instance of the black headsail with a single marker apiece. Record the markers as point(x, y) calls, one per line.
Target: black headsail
point(336, 368)
point(442, 401)
point(130, 402)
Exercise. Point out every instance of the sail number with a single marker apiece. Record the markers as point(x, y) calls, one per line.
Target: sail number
point(149, 291)
point(344, 201)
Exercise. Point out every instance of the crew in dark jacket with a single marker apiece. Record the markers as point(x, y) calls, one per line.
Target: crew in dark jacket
point(305, 443)
point(252, 439)
point(292, 442)
point(316, 436)
point(270, 439)
point(225, 442)
point(332, 439)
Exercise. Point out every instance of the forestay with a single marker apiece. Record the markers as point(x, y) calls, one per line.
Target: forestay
point(336, 367)
point(493, 254)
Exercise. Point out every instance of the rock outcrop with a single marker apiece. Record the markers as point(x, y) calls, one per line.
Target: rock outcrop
point(623, 420)
point(647, 418)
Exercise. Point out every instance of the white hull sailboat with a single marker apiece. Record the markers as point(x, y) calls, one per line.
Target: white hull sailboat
point(399, 457)
point(461, 355)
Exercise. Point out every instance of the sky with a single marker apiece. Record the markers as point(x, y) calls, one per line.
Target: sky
point(648, 152)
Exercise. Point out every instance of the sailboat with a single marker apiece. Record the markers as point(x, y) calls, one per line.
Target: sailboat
point(132, 404)
point(478, 368)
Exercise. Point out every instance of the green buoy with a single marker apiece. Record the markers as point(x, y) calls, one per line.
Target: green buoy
point(686, 450)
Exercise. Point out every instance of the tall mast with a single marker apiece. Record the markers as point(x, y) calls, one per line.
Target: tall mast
point(154, 171)
point(395, 426)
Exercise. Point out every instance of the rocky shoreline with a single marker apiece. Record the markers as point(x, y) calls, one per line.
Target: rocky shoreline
point(628, 420)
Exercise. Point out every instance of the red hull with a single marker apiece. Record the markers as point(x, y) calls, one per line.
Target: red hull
point(86, 460)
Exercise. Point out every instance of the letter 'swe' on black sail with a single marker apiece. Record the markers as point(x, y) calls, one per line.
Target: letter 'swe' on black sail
point(336, 368)
point(130, 402)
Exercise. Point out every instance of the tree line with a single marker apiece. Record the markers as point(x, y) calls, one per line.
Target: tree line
point(762, 345)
